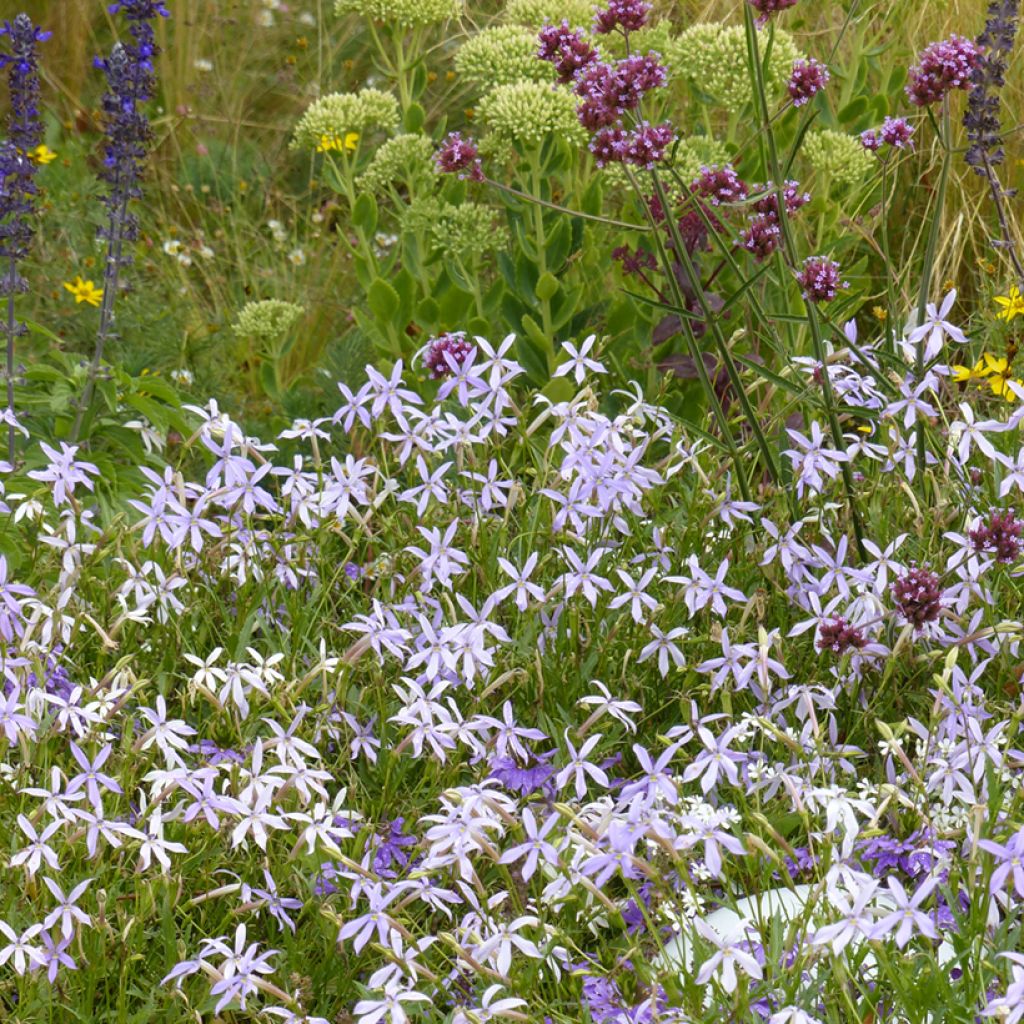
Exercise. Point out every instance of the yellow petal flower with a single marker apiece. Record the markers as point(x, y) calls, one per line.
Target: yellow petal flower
point(962, 374)
point(994, 365)
point(84, 291)
point(42, 154)
point(1013, 304)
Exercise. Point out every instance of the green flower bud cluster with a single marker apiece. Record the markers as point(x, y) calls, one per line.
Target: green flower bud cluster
point(405, 158)
point(266, 320)
point(335, 115)
point(714, 57)
point(465, 231)
point(402, 13)
point(838, 158)
point(527, 112)
point(535, 14)
point(502, 55)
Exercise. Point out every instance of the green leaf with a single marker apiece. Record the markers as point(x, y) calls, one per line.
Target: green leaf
point(364, 213)
point(547, 286)
point(383, 300)
point(268, 380)
point(414, 118)
point(538, 349)
point(558, 389)
point(854, 110)
point(428, 313)
point(592, 199)
point(405, 285)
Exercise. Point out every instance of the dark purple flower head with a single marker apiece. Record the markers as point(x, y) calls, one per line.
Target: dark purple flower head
point(918, 596)
point(870, 140)
point(608, 145)
point(941, 67)
point(720, 185)
point(566, 49)
point(897, 132)
point(819, 279)
point(621, 16)
point(988, 77)
point(646, 144)
point(634, 262)
point(608, 91)
point(131, 83)
point(525, 780)
point(838, 636)
point(766, 8)
point(768, 204)
point(806, 80)
point(761, 237)
point(442, 351)
point(459, 156)
point(1001, 536)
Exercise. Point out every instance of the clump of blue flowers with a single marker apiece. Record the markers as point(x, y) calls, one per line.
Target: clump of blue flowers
point(17, 179)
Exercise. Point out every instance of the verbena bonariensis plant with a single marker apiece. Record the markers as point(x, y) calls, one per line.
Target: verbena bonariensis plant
point(17, 182)
point(131, 82)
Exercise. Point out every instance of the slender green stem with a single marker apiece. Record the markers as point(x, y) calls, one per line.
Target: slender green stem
point(611, 222)
point(789, 247)
point(929, 257)
point(695, 353)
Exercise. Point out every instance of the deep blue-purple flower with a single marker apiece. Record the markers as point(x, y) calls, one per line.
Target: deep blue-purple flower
point(24, 132)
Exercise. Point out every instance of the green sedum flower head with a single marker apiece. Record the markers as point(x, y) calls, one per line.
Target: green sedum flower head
point(339, 113)
point(534, 14)
point(714, 57)
point(405, 158)
point(402, 13)
point(502, 55)
point(838, 158)
point(267, 320)
point(699, 151)
point(527, 112)
point(466, 231)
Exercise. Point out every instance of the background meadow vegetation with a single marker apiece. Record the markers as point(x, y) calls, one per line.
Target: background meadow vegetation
point(234, 79)
point(620, 590)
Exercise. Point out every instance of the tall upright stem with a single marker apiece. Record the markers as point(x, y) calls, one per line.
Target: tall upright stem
point(929, 259)
point(111, 277)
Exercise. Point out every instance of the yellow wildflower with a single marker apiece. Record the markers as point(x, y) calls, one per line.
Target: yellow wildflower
point(42, 154)
point(84, 291)
point(335, 142)
point(880, 313)
point(986, 265)
point(962, 374)
point(1013, 304)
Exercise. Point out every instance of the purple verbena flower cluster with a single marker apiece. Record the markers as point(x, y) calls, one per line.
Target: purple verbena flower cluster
point(806, 80)
point(942, 67)
point(820, 279)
